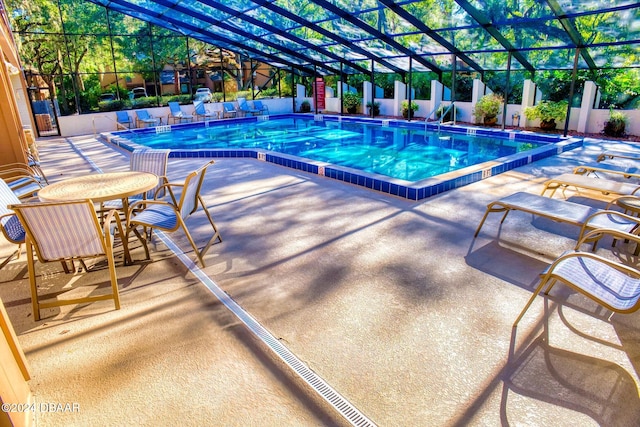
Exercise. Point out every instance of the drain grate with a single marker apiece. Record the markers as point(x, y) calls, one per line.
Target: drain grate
point(320, 386)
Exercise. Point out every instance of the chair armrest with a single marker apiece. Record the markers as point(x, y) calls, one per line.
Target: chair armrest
point(615, 213)
point(599, 233)
point(167, 187)
point(627, 269)
point(27, 180)
point(110, 217)
point(586, 170)
point(17, 171)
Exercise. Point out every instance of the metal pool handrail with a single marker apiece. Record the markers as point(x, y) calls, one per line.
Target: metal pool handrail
point(439, 121)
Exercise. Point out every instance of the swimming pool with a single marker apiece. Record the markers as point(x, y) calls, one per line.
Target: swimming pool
point(406, 159)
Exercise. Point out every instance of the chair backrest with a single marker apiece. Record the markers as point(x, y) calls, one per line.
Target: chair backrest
point(175, 109)
point(143, 115)
point(258, 105)
point(242, 104)
point(11, 226)
point(123, 117)
point(189, 198)
point(228, 107)
point(198, 107)
point(62, 230)
point(150, 160)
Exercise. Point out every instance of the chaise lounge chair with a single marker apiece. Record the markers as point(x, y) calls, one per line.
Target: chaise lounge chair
point(603, 186)
point(630, 172)
point(258, 105)
point(229, 110)
point(201, 111)
point(244, 108)
point(176, 113)
point(611, 284)
point(143, 116)
point(610, 154)
point(123, 120)
point(585, 217)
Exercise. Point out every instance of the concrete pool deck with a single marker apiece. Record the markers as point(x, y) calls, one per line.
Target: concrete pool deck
point(391, 302)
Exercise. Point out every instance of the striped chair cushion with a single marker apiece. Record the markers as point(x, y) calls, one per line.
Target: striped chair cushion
point(14, 229)
point(12, 226)
point(161, 216)
point(600, 280)
point(7, 197)
point(149, 160)
point(64, 230)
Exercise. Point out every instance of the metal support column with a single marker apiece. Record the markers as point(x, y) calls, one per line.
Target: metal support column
point(571, 89)
point(293, 88)
point(341, 90)
point(315, 90)
point(506, 92)
point(373, 89)
point(224, 93)
point(409, 87)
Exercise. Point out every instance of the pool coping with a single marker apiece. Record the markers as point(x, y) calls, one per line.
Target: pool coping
point(417, 190)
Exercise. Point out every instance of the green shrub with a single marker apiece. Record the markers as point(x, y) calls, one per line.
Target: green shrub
point(145, 102)
point(488, 106)
point(406, 107)
point(351, 100)
point(305, 107)
point(547, 111)
point(115, 105)
point(269, 92)
point(181, 99)
point(616, 124)
point(375, 106)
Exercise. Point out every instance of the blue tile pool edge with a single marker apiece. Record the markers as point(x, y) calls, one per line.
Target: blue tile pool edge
point(409, 190)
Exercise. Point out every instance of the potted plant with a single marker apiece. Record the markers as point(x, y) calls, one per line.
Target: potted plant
point(305, 107)
point(488, 108)
point(351, 101)
point(375, 106)
point(616, 124)
point(409, 109)
point(548, 112)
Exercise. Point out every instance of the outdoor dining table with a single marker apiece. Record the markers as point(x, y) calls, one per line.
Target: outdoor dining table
point(101, 187)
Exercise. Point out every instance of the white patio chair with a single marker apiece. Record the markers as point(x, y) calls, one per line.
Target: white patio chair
point(171, 215)
point(65, 231)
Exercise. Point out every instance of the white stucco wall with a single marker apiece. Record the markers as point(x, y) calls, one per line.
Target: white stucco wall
point(86, 124)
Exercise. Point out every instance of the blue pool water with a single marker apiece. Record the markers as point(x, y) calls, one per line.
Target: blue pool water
point(405, 159)
point(409, 154)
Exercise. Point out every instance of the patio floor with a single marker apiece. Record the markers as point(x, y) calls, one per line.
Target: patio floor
point(391, 302)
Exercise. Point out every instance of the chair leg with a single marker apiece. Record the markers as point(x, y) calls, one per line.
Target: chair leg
point(142, 239)
point(113, 277)
point(193, 244)
point(32, 280)
point(216, 234)
point(543, 282)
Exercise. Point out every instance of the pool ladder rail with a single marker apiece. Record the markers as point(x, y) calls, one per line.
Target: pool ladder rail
point(439, 121)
